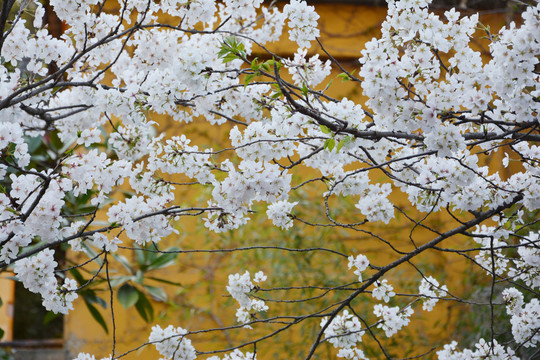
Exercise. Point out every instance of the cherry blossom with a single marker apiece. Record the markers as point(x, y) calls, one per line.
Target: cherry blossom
point(444, 131)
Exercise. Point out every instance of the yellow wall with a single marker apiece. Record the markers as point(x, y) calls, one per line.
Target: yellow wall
point(7, 294)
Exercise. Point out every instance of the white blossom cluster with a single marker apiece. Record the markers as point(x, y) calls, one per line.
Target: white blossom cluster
point(86, 356)
point(352, 354)
point(172, 344)
point(279, 212)
point(384, 290)
point(44, 212)
point(344, 331)
point(176, 156)
point(525, 317)
point(360, 263)
point(431, 290)
point(302, 22)
point(37, 275)
point(240, 285)
point(235, 355)
point(310, 72)
point(393, 319)
point(492, 260)
point(484, 350)
point(527, 266)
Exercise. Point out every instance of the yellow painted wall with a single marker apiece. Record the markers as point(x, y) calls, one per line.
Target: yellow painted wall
point(7, 294)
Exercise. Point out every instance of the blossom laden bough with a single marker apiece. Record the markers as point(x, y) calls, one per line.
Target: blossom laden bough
point(87, 164)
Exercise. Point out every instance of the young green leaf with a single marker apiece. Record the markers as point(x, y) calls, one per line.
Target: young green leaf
point(325, 129)
point(304, 89)
point(345, 141)
point(329, 144)
point(344, 77)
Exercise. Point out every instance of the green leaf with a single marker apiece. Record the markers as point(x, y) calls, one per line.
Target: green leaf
point(276, 94)
point(2, 332)
point(77, 275)
point(231, 49)
point(345, 141)
point(117, 281)
point(254, 65)
point(325, 129)
point(144, 308)
point(97, 316)
point(141, 256)
point(90, 296)
point(163, 260)
point(344, 77)
point(165, 281)
point(229, 58)
point(33, 143)
point(304, 89)
point(127, 295)
point(273, 62)
point(249, 77)
point(329, 144)
point(55, 141)
point(100, 301)
point(139, 277)
point(156, 292)
point(125, 263)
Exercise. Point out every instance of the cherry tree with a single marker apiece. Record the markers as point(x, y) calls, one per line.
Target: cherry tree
point(85, 167)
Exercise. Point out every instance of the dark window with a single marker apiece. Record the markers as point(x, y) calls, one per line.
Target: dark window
point(31, 321)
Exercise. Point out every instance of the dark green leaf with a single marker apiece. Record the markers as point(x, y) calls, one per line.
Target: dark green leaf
point(100, 301)
point(144, 308)
point(90, 297)
point(55, 141)
point(165, 281)
point(77, 275)
point(127, 295)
